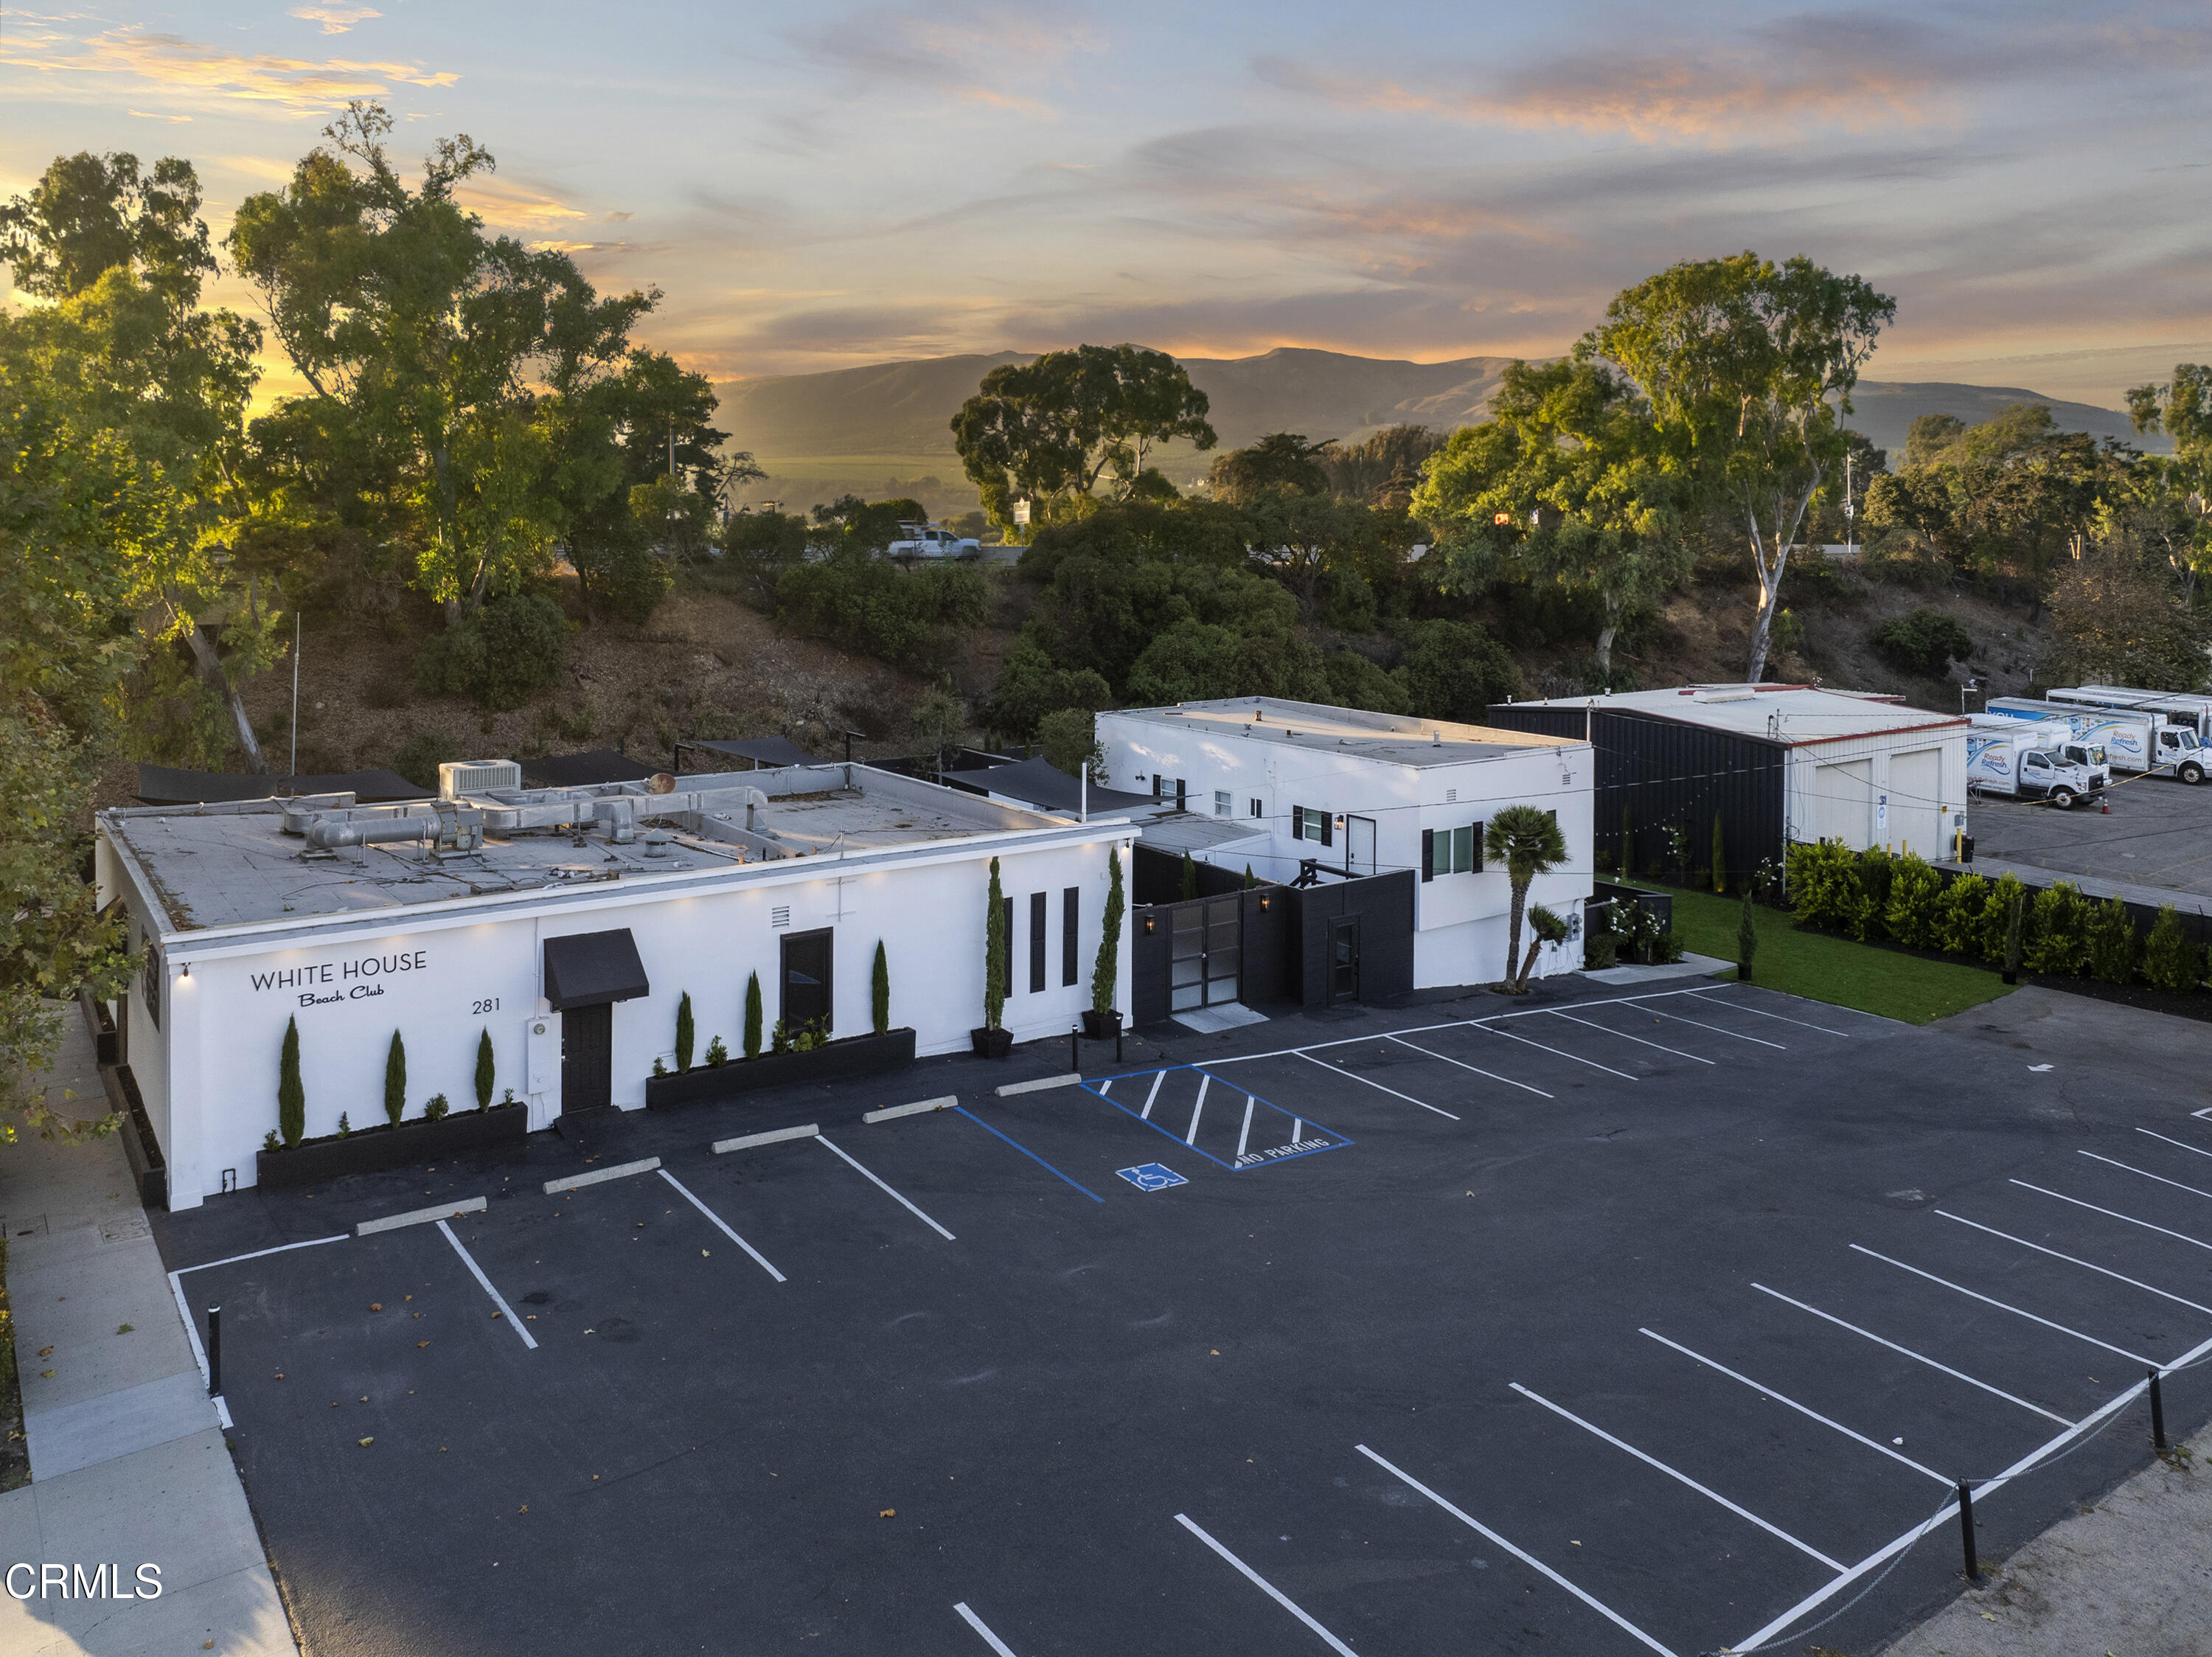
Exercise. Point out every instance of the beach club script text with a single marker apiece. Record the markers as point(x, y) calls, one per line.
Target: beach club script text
point(353, 980)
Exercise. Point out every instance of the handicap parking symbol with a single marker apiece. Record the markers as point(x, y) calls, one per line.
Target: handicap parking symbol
point(1151, 1176)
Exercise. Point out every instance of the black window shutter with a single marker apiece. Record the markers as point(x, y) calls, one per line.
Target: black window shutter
point(1037, 940)
point(1327, 828)
point(1428, 856)
point(1478, 848)
point(1179, 793)
point(1071, 909)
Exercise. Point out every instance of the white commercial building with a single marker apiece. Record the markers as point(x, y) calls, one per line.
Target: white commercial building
point(566, 924)
point(1362, 794)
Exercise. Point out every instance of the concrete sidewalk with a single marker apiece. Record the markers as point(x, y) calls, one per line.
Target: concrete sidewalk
point(2130, 1576)
point(128, 1463)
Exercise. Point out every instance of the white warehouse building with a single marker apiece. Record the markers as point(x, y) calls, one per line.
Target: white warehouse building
point(1358, 794)
point(566, 924)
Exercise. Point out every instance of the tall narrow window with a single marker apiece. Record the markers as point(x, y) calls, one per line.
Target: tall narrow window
point(1221, 802)
point(1071, 910)
point(1463, 861)
point(1037, 940)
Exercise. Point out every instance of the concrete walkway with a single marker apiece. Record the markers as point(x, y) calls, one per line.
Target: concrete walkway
point(2131, 1577)
point(128, 1463)
point(2041, 875)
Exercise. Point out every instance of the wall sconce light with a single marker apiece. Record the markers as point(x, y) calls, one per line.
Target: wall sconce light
point(188, 969)
point(1265, 899)
point(1148, 926)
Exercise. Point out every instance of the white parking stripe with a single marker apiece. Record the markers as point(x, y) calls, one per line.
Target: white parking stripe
point(2151, 1363)
point(1509, 1036)
point(823, 1140)
point(1146, 1113)
point(1461, 1024)
point(1624, 1035)
point(1528, 1559)
point(1917, 1357)
point(1377, 1085)
point(1266, 1587)
point(1764, 1390)
point(722, 1226)
point(477, 1272)
point(2199, 1149)
point(2160, 1177)
point(1653, 1461)
point(1746, 1007)
point(1660, 1012)
point(1198, 1109)
point(989, 1638)
point(1244, 1134)
point(2114, 1214)
point(1477, 1069)
point(2070, 1260)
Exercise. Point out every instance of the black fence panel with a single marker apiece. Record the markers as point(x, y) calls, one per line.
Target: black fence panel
point(1156, 877)
point(1384, 904)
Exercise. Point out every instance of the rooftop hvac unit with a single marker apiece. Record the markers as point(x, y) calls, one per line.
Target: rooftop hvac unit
point(459, 777)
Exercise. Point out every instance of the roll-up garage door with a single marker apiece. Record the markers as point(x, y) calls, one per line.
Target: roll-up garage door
point(1840, 803)
point(1916, 802)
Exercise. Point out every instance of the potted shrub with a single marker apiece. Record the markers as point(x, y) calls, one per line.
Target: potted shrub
point(989, 1040)
point(487, 1071)
point(752, 1015)
point(395, 1080)
point(685, 1032)
point(291, 1097)
point(1100, 1019)
point(879, 991)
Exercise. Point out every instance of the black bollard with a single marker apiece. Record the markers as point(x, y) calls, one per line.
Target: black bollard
point(215, 1350)
point(1075, 1058)
point(1967, 1531)
point(2157, 1415)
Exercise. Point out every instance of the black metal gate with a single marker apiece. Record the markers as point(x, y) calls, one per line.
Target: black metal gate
point(1206, 957)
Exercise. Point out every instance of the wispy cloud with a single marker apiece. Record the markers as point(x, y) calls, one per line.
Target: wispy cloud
point(973, 54)
point(148, 115)
point(335, 20)
point(511, 204)
point(174, 64)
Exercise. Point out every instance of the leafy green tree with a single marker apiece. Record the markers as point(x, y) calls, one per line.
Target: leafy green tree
point(1280, 460)
point(1316, 545)
point(758, 547)
point(1381, 470)
point(1746, 365)
point(1356, 682)
point(2120, 620)
point(1050, 430)
point(1527, 842)
point(1566, 483)
point(1032, 688)
point(1455, 670)
point(1925, 642)
point(1070, 741)
point(2182, 408)
point(2170, 960)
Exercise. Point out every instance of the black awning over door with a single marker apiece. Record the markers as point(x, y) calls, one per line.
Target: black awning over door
point(588, 969)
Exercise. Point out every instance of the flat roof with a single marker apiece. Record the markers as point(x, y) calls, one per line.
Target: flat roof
point(1794, 715)
point(234, 864)
point(1392, 739)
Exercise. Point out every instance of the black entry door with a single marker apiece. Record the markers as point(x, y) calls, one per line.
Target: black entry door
point(807, 966)
point(1344, 960)
point(587, 1058)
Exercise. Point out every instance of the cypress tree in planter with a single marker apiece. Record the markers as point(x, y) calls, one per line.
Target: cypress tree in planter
point(395, 1080)
point(685, 1032)
point(752, 1015)
point(1189, 877)
point(1101, 1021)
point(990, 1041)
point(487, 1071)
point(291, 1097)
point(879, 991)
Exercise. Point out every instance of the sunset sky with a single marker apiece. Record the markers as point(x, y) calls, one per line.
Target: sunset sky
point(825, 186)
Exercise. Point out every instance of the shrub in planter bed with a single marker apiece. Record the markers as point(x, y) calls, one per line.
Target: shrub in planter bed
point(1876, 870)
point(717, 1054)
point(1959, 915)
point(487, 1071)
point(435, 1110)
point(752, 1015)
point(2007, 895)
point(2170, 960)
point(2056, 931)
point(291, 1097)
point(2111, 942)
point(1824, 885)
point(879, 991)
point(1910, 915)
point(686, 1032)
point(395, 1080)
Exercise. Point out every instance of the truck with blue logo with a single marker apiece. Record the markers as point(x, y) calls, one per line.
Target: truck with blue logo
point(2031, 761)
point(2134, 739)
point(2188, 708)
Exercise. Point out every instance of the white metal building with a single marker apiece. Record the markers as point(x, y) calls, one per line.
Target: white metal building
point(1365, 794)
point(446, 919)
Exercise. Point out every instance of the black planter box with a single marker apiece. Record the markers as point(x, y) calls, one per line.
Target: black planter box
point(372, 1150)
point(849, 1056)
point(987, 1043)
point(1100, 1027)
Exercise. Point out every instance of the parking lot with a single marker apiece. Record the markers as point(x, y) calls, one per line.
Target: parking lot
point(1666, 1322)
point(2157, 833)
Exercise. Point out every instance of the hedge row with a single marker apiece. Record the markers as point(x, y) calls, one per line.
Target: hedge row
point(1874, 896)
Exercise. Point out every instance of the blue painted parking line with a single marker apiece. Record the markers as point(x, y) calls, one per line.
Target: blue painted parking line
point(1027, 1152)
point(1151, 1176)
point(1300, 1143)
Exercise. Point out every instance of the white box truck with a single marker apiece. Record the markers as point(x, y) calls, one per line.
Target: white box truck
point(2027, 762)
point(2133, 741)
point(2057, 735)
point(2175, 707)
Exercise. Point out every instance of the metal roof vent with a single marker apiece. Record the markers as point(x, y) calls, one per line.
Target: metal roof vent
point(459, 777)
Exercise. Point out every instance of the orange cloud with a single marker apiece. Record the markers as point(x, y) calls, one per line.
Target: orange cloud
point(335, 20)
point(173, 63)
point(515, 206)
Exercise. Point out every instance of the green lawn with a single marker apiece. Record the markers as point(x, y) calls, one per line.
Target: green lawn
point(1823, 968)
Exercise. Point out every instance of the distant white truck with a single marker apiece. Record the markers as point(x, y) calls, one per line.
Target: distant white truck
point(2175, 707)
point(2058, 735)
point(2029, 762)
point(2133, 740)
point(931, 543)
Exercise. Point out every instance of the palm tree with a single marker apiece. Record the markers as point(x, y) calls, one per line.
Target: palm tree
point(1529, 843)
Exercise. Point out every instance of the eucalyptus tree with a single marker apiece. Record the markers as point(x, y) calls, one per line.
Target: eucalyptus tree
point(1746, 365)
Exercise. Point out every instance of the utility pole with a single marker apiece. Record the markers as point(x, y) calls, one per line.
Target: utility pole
point(295, 691)
point(1850, 511)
